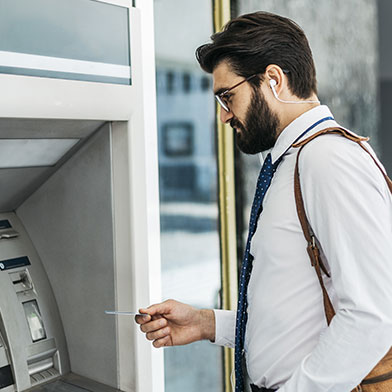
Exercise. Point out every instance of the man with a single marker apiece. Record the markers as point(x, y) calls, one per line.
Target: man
point(265, 80)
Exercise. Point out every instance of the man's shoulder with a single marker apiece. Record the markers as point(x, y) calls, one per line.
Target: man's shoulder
point(327, 144)
point(331, 152)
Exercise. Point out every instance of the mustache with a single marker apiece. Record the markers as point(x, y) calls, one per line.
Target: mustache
point(234, 123)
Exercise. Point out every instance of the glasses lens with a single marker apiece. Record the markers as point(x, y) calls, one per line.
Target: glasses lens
point(222, 103)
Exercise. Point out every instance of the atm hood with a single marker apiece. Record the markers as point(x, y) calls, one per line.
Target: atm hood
point(32, 150)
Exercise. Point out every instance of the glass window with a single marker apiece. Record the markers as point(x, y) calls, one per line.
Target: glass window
point(205, 83)
point(188, 186)
point(186, 80)
point(178, 139)
point(170, 80)
point(73, 39)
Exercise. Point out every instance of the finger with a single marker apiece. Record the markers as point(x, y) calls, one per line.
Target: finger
point(153, 325)
point(163, 342)
point(157, 309)
point(161, 333)
point(143, 319)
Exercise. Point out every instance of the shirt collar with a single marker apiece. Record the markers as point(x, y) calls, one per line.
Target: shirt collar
point(289, 134)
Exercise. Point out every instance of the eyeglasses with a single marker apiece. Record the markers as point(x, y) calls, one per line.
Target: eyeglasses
point(223, 97)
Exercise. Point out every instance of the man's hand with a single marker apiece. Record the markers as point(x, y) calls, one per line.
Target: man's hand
point(173, 323)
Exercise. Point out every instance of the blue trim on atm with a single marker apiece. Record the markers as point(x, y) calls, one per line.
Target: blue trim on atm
point(5, 224)
point(14, 263)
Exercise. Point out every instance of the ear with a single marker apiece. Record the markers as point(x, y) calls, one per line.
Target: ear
point(275, 74)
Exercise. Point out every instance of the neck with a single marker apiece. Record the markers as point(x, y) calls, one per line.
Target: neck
point(289, 113)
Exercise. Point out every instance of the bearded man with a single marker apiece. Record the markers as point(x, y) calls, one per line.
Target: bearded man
point(265, 81)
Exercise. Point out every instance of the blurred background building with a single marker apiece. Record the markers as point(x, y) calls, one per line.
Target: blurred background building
point(188, 183)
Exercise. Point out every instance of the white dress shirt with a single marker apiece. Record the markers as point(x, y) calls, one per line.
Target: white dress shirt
point(349, 206)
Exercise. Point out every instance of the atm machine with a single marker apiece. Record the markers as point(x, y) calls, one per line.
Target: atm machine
point(79, 205)
point(33, 348)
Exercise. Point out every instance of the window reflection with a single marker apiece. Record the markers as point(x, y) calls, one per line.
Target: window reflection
point(188, 185)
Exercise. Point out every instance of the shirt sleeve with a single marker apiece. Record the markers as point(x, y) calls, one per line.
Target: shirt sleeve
point(349, 208)
point(225, 327)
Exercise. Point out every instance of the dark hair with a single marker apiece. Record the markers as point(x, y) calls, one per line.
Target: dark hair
point(251, 42)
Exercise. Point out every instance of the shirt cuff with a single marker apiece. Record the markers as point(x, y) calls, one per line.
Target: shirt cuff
point(225, 327)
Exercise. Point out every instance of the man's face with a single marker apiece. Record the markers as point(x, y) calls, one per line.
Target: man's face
point(249, 115)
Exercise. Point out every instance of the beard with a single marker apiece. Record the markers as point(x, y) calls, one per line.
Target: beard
point(258, 133)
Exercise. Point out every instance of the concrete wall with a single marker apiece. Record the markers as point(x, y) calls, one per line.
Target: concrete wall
point(385, 81)
point(344, 39)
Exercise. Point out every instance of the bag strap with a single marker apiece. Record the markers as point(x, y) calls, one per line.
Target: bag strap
point(312, 248)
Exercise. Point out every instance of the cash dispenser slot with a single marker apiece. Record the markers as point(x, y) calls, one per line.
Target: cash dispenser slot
point(43, 362)
point(8, 234)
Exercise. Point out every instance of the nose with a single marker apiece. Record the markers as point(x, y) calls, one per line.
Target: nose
point(225, 116)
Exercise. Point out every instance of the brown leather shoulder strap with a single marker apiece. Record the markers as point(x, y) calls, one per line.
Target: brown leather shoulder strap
point(336, 130)
point(312, 248)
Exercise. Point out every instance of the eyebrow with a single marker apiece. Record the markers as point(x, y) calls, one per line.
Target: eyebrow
point(221, 90)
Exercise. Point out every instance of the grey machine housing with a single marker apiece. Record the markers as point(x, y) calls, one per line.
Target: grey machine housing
point(57, 268)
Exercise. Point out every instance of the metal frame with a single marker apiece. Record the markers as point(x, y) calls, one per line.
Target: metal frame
point(120, 3)
point(55, 64)
point(150, 367)
point(72, 99)
point(227, 212)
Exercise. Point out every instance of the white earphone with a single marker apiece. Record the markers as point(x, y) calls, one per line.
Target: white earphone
point(273, 83)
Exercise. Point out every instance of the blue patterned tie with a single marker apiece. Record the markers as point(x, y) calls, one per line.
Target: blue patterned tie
point(263, 183)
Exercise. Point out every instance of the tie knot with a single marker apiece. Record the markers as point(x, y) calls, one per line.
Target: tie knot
point(268, 159)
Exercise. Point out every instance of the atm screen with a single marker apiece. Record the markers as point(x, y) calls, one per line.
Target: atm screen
point(34, 320)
